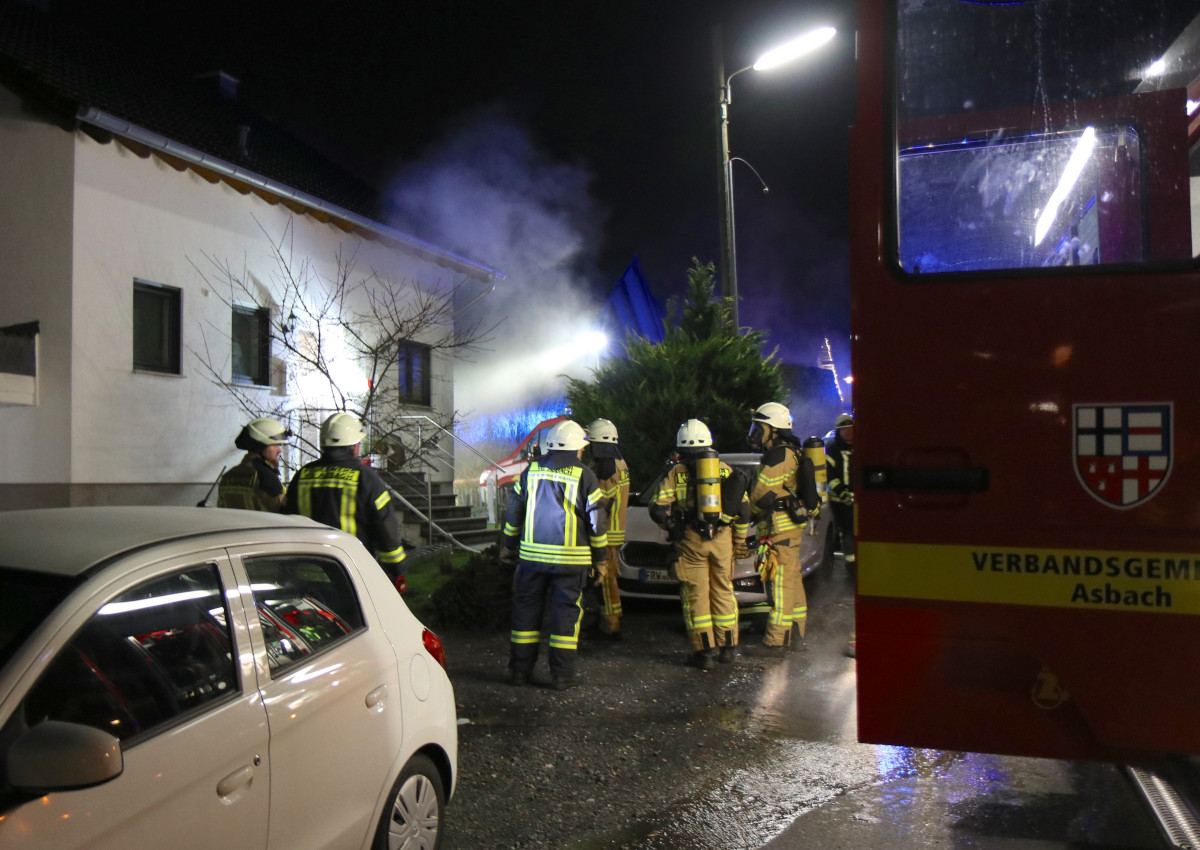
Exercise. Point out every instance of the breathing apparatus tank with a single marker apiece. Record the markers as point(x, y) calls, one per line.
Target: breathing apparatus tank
point(708, 485)
point(814, 450)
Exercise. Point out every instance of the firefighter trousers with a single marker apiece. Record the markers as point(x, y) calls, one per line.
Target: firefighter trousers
point(705, 572)
point(843, 520)
point(789, 605)
point(531, 586)
point(610, 596)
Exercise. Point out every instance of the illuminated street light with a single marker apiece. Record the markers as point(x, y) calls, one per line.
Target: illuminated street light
point(771, 59)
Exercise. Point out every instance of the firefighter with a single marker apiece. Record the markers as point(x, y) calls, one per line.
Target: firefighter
point(838, 455)
point(342, 492)
point(613, 474)
point(254, 483)
point(706, 521)
point(783, 495)
point(555, 532)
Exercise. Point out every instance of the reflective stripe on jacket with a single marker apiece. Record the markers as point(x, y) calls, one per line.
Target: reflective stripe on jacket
point(783, 474)
point(837, 467)
point(341, 492)
point(615, 488)
point(674, 491)
point(556, 513)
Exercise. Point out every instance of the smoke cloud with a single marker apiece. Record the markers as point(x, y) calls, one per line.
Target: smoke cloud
point(489, 193)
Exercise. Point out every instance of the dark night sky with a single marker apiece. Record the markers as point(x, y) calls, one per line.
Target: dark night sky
point(611, 103)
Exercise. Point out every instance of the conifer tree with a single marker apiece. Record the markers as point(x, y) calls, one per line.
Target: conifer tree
point(703, 369)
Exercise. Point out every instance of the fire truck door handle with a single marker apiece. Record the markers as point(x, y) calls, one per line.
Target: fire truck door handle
point(971, 479)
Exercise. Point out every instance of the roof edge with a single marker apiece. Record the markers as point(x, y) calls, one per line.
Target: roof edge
point(156, 141)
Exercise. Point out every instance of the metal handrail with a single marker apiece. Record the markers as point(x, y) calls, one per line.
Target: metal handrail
point(454, 541)
point(453, 436)
point(420, 455)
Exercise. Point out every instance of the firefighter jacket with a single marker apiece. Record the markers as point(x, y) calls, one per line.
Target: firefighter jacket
point(341, 492)
point(784, 491)
point(556, 517)
point(613, 475)
point(252, 485)
point(837, 467)
point(674, 506)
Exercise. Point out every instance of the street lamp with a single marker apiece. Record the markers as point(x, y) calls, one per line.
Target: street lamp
point(772, 58)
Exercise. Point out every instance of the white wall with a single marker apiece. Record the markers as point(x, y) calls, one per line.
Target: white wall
point(140, 218)
point(35, 278)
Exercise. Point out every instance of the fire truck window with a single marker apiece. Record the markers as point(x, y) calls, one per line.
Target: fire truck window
point(1045, 135)
point(1021, 202)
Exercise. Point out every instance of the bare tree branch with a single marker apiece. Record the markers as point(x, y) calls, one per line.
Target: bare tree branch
point(323, 330)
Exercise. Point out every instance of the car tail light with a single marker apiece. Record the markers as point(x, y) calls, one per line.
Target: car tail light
point(401, 584)
point(433, 644)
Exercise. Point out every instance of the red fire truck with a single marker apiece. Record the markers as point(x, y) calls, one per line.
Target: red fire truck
point(1026, 345)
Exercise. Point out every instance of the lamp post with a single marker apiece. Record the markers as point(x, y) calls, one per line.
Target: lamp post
point(772, 58)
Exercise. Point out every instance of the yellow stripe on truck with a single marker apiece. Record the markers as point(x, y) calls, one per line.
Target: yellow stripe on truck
point(1164, 582)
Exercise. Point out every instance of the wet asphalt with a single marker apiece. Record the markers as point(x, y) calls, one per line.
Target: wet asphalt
point(649, 753)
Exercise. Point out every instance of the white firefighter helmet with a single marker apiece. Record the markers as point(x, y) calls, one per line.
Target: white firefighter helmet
point(844, 421)
point(566, 435)
point(341, 429)
point(602, 431)
point(268, 431)
point(774, 414)
point(693, 433)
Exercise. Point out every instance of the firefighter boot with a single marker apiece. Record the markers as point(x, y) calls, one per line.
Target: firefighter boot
point(729, 650)
point(761, 650)
point(702, 659)
point(796, 644)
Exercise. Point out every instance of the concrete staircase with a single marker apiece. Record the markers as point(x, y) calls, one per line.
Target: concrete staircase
point(445, 512)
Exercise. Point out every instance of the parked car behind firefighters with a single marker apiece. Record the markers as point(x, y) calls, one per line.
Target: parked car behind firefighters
point(645, 557)
point(213, 678)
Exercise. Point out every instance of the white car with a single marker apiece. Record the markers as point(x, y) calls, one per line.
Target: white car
point(646, 553)
point(186, 677)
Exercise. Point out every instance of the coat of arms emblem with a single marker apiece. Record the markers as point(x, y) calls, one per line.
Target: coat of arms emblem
point(1123, 451)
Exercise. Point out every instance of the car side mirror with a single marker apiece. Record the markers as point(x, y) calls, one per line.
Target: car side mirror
point(58, 756)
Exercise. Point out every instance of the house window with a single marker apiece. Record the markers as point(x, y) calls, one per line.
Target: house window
point(156, 327)
point(413, 361)
point(18, 363)
point(251, 345)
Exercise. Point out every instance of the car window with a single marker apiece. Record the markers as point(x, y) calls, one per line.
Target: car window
point(157, 651)
point(26, 598)
point(305, 604)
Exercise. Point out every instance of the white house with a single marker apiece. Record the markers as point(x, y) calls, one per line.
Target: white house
point(118, 188)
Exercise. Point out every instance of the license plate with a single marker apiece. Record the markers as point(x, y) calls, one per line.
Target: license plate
point(657, 576)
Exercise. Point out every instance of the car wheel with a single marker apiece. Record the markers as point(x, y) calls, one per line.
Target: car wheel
point(412, 817)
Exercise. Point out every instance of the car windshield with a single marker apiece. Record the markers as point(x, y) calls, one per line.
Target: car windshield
point(26, 598)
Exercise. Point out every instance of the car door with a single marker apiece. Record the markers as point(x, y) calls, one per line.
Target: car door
point(157, 657)
point(331, 690)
